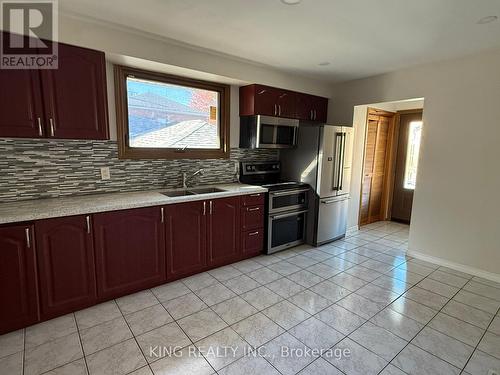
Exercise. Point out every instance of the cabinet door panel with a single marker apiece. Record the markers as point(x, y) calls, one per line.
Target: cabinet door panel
point(66, 265)
point(18, 287)
point(130, 251)
point(252, 217)
point(266, 100)
point(253, 199)
point(312, 108)
point(287, 101)
point(186, 239)
point(304, 107)
point(224, 231)
point(252, 242)
point(320, 107)
point(75, 95)
point(21, 112)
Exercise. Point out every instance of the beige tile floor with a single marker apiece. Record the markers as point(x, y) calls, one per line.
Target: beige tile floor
point(396, 315)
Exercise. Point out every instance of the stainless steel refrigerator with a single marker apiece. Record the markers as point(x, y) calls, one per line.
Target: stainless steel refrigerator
point(323, 159)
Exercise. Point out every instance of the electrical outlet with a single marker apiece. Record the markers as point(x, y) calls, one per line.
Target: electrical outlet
point(493, 372)
point(105, 174)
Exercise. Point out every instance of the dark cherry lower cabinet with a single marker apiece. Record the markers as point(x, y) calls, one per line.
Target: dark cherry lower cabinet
point(130, 251)
point(18, 286)
point(66, 270)
point(223, 231)
point(186, 237)
point(82, 260)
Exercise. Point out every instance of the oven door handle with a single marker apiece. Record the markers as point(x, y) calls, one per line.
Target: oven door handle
point(282, 216)
point(288, 192)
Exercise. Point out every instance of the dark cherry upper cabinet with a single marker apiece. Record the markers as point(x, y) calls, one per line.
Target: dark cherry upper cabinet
point(75, 95)
point(130, 251)
point(18, 286)
point(186, 238)
point(264, 100)
point(21, 108)
point(312, 108)
point(66, 267)
point(223, 231)
point(68, 102)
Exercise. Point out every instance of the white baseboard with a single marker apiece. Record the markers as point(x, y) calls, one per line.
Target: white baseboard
point(456, 266)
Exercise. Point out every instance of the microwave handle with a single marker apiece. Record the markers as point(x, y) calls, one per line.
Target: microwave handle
point(282, 216)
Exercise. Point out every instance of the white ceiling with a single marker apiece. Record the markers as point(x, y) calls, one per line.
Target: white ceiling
point(358, 37)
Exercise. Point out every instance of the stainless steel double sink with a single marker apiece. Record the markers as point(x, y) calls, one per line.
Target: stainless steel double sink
point(191, 191)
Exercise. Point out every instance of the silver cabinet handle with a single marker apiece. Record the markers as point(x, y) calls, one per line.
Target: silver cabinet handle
point(312, 116)
point(279, 109)
point(211, 207)
point(87, 219)
point(253, 233)
point(52, 127)
point(40, 129)
point(253, 209)
point(204, 208)
point(27, 232)
point(275, 109)
point(162, 213)
point(255, 195)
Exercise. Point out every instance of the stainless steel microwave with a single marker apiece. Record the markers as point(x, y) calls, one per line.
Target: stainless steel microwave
point(268, 132)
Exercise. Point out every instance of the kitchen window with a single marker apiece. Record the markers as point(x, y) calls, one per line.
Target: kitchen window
point(170, 117)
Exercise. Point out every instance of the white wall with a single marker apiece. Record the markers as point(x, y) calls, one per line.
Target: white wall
point(129, 47)
point(456, 205)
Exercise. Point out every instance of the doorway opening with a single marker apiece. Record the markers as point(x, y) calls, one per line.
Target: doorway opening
point(390, 161)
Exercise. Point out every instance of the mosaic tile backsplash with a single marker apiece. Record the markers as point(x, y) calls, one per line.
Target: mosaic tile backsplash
point(31, 169)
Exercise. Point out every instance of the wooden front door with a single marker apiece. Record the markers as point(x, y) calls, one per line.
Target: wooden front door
point(378, 133)
point(407, 154)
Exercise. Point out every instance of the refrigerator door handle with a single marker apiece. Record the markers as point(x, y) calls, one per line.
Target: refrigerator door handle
point(341, 163)
point(336, 167)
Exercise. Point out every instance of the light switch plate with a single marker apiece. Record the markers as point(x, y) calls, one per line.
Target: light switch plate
point(105, 174)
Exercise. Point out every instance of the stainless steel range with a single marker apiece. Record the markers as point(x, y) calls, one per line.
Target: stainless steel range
point(287, 204)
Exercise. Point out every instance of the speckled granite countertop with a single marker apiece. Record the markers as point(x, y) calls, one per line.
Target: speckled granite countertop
point(36, 209)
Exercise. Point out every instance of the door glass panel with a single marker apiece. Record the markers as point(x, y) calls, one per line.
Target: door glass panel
point(267, 134)
point(287, 229)
point(412, 151)
point(284, 135)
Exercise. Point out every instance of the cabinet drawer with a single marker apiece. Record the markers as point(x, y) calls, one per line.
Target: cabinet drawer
point(252, 217)
point(252, 242)
point(253, 199)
